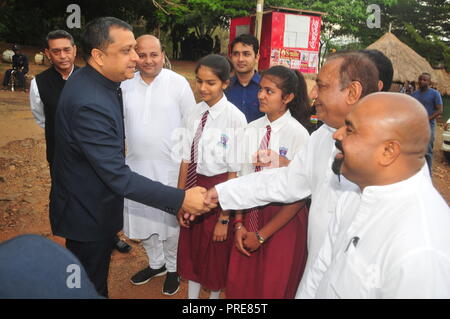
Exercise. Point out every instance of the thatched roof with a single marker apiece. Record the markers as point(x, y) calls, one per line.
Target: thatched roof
point(408, 65)
point(443, 81)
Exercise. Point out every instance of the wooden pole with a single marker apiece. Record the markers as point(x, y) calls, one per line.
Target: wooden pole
point(259, 18)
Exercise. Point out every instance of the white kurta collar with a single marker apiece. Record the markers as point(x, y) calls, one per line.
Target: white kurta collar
point(157, 78)
point(396, 188)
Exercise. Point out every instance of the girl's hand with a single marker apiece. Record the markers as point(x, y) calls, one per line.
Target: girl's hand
point(270, 159)
point(239, 237)
point(220, 232)
point(182, 220)
point(251, 243)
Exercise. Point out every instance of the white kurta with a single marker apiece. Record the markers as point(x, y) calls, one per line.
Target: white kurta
point(309, 173)
point(286, 138)
point(402, 250)
point(152, 114)
point(219, 145)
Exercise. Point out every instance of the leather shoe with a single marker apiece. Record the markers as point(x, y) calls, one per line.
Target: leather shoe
point(121, 246)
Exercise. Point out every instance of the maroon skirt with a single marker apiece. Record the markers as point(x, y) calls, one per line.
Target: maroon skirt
point(199, 258)
point(274, 270)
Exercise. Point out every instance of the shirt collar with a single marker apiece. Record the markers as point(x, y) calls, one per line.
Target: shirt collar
point(141, 80)
point(403, 186)
point(102, 79)
point(278, 123)
point(255, 79)
point(60, 75)
point(214, 110)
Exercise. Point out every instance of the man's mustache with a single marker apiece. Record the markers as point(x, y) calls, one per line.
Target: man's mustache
point(337, 163)
point(338, 145)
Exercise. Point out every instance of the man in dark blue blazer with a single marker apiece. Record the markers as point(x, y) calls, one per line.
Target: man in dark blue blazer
point(90, 177)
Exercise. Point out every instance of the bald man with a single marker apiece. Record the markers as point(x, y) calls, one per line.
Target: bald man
point(155, 102)
point(390, 238)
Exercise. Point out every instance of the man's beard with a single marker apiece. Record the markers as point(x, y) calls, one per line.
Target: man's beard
point(337, 163)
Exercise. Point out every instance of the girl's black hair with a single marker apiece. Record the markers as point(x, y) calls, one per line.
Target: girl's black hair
point(220, 66)
point(292, 81)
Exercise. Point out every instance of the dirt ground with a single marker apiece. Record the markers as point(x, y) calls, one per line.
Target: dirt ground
point(25, 185)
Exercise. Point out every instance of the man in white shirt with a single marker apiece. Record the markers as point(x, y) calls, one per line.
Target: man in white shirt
point(156, 101)
point(341, 82)
point(47, 86)
point(390, 238)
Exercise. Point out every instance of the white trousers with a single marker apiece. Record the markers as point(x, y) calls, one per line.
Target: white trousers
point(162, 252)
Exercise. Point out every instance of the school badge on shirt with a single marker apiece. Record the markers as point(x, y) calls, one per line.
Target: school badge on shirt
point(283, 151)
point(223, 140)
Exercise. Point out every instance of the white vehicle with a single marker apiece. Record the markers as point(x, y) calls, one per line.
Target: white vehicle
point(446, 140)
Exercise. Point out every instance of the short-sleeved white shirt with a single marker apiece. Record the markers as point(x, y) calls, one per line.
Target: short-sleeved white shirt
point(286, 138)
point(218, 148)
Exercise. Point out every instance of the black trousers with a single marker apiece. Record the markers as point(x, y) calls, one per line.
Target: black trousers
point(95, 257)
point(20, 77)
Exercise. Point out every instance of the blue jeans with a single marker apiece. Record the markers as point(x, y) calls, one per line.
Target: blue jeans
point(429, 154)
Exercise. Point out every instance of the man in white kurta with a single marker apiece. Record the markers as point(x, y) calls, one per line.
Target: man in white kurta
point(390, 238)
point(309, 173)
point(155, 102)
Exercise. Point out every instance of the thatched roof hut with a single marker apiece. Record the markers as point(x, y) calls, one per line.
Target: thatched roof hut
point(443, 81)
point(408, 65)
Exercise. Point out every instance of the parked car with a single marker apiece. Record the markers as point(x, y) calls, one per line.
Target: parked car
point(446, 140)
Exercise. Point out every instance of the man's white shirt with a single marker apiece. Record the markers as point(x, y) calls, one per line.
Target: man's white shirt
point(37, 106)
point(152, 115)
point(309, 173)
point(387, 242)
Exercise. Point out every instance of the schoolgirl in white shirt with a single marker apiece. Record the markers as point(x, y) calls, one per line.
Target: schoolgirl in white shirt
point(209, 157)
point(270, 241)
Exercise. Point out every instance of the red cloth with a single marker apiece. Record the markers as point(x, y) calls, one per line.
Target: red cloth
point(199, 258)
point(275, 269)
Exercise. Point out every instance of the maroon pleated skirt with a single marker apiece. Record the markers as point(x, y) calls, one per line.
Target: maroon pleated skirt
point(274, 270)
point(199, 258)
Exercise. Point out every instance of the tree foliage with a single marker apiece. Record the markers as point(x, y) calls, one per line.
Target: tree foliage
point(422, 24)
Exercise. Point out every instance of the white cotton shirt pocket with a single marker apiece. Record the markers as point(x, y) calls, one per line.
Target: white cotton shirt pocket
point(352, 278)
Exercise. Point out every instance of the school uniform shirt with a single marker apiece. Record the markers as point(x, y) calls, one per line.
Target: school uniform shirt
point(309, 173)
point(152, 115)
point(388, 241)
point(218, 147)
point(286, 138)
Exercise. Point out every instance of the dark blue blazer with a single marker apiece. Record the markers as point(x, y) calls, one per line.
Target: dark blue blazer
point(90, 177)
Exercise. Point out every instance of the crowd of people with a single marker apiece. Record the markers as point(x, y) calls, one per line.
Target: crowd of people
point(241, 193)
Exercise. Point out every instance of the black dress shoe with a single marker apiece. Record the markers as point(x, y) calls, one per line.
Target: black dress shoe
point(121, 246)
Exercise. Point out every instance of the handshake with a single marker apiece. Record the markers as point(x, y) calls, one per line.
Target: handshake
point(197, 201)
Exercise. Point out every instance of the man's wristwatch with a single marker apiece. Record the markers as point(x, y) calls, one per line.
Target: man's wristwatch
point(260, 238)
point(224, 221)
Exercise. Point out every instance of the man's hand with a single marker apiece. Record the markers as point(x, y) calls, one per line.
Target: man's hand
point(194, 201)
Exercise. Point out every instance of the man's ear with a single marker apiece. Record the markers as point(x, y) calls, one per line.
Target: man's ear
point(380, 85)
point(354, 92)
point(74, 50)
point(390, 152)
point(47, 54)
point(97, 56)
